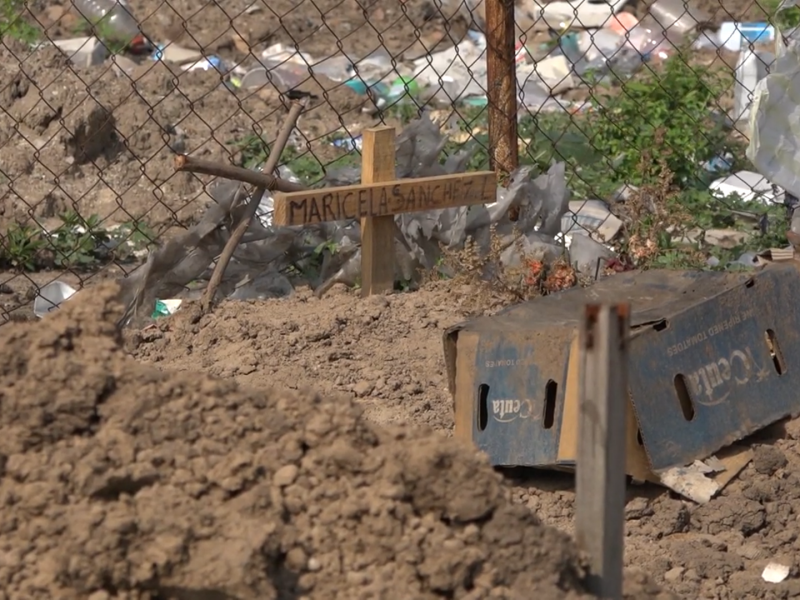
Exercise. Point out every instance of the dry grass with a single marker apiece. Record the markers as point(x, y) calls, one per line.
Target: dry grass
point(493, 284)
point(652, 214)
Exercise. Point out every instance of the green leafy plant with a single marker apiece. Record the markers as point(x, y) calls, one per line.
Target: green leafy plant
point(785, 20)
point(20, 247)
point(403, 109)
point(131, 238)
point(253, 152)
point(76, 244)
point(678, 100)
point(76, 241)
point(13, 24)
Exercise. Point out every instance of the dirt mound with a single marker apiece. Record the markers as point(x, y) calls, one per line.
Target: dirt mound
point(100, 141)
point(384, 350)
point(119, 480)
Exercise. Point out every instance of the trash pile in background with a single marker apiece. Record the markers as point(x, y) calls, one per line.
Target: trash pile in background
point(577, 40)
point(565, 42)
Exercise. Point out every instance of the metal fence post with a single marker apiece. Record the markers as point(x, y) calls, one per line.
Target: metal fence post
point(600, 478)
point(502, 86)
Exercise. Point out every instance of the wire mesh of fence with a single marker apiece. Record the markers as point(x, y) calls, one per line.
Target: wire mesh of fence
point(618, 131)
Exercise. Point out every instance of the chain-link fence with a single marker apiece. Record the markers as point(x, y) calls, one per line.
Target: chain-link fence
point(636, 114)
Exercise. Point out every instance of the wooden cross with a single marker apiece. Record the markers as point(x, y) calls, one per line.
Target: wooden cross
point(377, 199)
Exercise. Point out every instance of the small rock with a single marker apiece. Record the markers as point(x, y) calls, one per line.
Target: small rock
point(638, 508)
point(5, 289)
point(362, 388)
point(674, 575)
point(285, 475)
point(314, 564)
point(692, 575)
point(768, 459)
point(296, 559)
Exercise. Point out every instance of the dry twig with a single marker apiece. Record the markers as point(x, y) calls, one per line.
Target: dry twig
point(242, 226)
point(265, 179)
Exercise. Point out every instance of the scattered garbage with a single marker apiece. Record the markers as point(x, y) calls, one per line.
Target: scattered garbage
point(83, 51)
point(592, 218)
point(175, 54)
point(165, 308)
point(591, 37)
point(115, 19)
point(748, 186)
point(774, 147)
point(211, 62)
point(51, 296)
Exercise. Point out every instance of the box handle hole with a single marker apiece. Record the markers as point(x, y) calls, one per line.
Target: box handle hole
point(483, 406)
point(550, 394)
point(775, 352)
point(685, 400)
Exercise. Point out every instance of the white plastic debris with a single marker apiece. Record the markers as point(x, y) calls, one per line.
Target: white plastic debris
point(752, 67)
point(775, 572)
point(734, 36)
point(51, 297)
point(83, 51)
point(774, 147)
point(165, 308)
point(748, 186)
point(211, 62)
point(591, 217)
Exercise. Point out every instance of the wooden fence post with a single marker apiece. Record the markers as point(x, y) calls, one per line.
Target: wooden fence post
point(501, 75)
point(600, 477)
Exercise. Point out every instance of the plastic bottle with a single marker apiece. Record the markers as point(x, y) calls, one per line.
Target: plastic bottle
point(112, 20)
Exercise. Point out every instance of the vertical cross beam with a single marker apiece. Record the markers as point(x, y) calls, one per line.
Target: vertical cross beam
point(501, 75)
point(376, 200)
point(377, 233)
point(600, 477)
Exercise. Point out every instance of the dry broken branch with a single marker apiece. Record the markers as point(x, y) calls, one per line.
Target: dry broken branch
point(266, 179)
point(241, 227)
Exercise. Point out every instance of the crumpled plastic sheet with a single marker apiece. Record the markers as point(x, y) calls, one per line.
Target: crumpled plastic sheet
point(774, 147)
point(262, 262)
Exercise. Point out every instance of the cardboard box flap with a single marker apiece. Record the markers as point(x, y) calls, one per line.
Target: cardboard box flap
point(713, 375)
point(654, 296)
point(771, 255)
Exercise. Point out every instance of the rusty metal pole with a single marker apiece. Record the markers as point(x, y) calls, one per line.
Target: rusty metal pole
point(502, 86)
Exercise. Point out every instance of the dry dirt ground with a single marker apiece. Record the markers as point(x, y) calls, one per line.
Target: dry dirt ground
point(122, 481)
point(386, 352)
